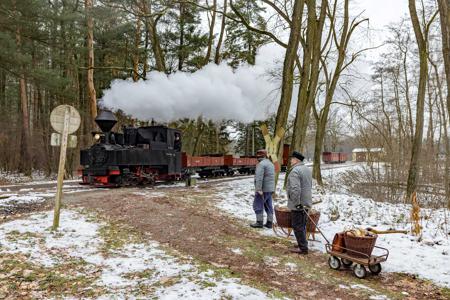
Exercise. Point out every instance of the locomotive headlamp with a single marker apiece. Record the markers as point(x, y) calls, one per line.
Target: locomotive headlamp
point(97, 136)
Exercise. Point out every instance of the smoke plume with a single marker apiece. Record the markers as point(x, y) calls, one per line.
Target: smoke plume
point(214, 92)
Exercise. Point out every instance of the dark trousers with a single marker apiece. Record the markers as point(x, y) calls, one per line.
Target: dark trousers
point(263, 203)
point(299, 226)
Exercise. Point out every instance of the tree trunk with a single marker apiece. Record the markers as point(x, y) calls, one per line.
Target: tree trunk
point(310, 73)
point(181, 41)
point(25, 153)
point(318, 145)
point(90, 72)
point(211, 32)
point(222, 31)
point(444, 124)
point(330, 90)
point(287, 83)
point(154, 37)
point(444, 13)
point(421, 38)
point(137, 42)
point(2, 91)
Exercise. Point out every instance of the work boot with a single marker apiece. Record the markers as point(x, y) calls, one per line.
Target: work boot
point(298, 251)
point(268, 224)
point(258, 224)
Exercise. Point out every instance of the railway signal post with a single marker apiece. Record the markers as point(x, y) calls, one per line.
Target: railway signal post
point(64, 119)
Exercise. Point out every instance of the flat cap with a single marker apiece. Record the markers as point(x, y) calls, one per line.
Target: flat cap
point(298, 155)
point(261, 153)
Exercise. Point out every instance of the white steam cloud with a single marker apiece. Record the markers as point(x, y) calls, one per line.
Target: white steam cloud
point(214, 92)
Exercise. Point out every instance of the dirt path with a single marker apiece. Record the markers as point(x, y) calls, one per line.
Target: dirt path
point(186, 220)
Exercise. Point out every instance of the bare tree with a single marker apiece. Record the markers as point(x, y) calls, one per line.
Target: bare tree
point(421, 35)
point(309, 71)
point(331, 80)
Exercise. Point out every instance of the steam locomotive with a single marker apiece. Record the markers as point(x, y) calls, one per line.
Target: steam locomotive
point(137, 156)
point(148, 154)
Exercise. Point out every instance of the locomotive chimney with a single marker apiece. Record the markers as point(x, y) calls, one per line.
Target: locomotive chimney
point(106, 120)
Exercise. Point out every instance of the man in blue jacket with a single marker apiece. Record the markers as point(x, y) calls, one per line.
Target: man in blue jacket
point(299, 185)
point(264, 187)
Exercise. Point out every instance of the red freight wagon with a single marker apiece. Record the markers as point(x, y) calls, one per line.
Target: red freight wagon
point(334, 157)
point(286, 153)
point(343, 157)
point(202, 161)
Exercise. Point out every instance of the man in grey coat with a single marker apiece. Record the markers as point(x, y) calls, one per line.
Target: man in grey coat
point(264, 187)
point(299, 185)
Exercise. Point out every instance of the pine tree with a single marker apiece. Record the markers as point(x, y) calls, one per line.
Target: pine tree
point(241, 44)
point(182, 39)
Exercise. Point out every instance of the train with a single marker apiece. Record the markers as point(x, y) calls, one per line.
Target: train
point(146, 155)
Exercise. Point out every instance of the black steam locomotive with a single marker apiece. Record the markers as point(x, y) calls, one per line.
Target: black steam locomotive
point(137, 156)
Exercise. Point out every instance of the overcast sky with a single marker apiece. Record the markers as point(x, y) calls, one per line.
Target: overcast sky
point(380, 14)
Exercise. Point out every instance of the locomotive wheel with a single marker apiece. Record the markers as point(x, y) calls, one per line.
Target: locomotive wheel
point(375, 269)
point(347, 263)
point(359, 271)
point(334, 263)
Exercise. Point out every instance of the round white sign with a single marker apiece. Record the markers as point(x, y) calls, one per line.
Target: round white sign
point(57, 118)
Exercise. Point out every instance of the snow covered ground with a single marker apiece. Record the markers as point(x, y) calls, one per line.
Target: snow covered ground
point(36, 176)
point(32, 195)
point(427, 256)
point(120, 271)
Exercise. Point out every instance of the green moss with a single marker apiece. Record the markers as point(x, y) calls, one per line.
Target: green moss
point(146, 274)
point(115, 236)
point(64, 279)
point(15, 235)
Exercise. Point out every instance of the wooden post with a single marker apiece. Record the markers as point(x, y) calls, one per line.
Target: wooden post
point(62, 162)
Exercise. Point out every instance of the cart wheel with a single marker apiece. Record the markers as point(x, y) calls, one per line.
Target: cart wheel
point(359, 271)
point(334, 262)
point(375, 269)
point(347, 263)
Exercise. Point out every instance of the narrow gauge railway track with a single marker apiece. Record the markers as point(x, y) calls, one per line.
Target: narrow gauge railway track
point(75, 183)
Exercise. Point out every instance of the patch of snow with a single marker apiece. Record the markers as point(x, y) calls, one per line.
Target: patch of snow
point(427, 256)
point(237, 251)
point(15, 200)
point(378, 297)
point(361, 287)
point(228, 288)
point(291, 266)
point(78, 237)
